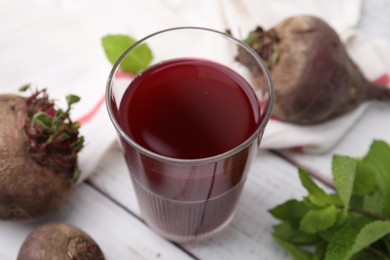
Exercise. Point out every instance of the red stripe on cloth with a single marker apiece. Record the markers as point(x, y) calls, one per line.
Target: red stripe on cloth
point(122, 74)
point(88, 116)
point(298, 149)
point(383, 80)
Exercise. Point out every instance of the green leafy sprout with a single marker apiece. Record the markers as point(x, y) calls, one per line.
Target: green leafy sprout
point(265, 44)
point(352, 223)
point(53, 137)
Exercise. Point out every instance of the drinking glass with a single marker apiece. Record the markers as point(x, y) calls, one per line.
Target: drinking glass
point(187, 199)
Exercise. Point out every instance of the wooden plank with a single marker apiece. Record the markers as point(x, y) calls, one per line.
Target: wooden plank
point(271, 181)
point(119, 234)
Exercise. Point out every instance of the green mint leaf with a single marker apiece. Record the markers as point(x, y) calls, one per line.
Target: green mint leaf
point(319, 252)
point(43, 120)
point(295, 251)
point(351, 224)
point(319, 219)
point(328, 234)
point(291, 211)
point(373, 203)
point(342, 216)
point(344, 170)
point(115, 45)
point(378, 158)
point(366, 255)
point(369, 234)
point(72, 99)
point(317, 196)
point(136, 60)
point(356, 201)
point(341, 244)
point(364, 179)
point(286, 232)
point(24, 87)
point(336, 200)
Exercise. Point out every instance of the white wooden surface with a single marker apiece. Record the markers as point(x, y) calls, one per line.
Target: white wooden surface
point(105, 206)
point(119, 233)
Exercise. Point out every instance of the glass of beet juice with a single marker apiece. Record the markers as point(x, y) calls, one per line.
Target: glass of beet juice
point(190, 126)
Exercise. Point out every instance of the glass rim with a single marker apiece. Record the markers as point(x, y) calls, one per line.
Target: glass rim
point(209, 159)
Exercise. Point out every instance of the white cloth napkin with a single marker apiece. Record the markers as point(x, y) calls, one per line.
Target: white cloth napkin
point(56, 44)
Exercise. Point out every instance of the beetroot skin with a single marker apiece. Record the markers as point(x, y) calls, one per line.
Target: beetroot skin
point(37, 166)
point(314, 78)
point(59, 241)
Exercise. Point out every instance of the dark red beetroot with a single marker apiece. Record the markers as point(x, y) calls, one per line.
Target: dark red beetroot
point(38, 155)
point(61, 242)
point(313, 76)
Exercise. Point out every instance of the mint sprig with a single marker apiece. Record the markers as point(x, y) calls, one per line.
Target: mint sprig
point(136, 60)
point(352, 223)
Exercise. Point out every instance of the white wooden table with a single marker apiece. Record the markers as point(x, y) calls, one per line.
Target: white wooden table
point(105, 205)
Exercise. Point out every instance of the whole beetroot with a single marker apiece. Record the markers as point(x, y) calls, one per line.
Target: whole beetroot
point(314, 78)
point(38, 155)
point(61, 242)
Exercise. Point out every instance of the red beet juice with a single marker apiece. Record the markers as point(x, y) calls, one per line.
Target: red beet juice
point(188, 109)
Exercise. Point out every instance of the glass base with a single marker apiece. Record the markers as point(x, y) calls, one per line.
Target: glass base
point(182, 221)
point(195, 238)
